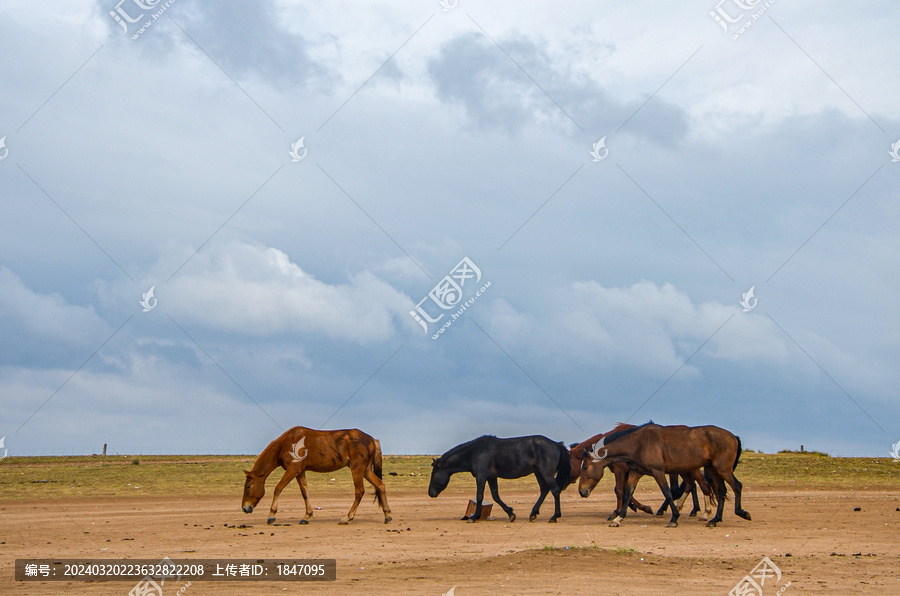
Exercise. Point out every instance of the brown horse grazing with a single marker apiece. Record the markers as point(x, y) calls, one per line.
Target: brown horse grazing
point(579, 457)
point(655, 450)
point(300, 449)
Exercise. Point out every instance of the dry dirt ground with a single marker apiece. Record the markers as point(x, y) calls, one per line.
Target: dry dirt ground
point(814, 536)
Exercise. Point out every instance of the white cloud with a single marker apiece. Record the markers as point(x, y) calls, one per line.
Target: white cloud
point(645, 326)
point(259, 291)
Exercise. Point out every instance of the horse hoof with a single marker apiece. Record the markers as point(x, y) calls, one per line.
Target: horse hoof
point(512, 517)
point(672, 525)
point(692, 514)
point(303, 522)
point(744, 514)
point(552, 520)
point(710, 524)
point(343, 522)
point(471, 520)
point(532, 517)
point(660, 513)
point(271, 520)
point(614, 524)
point(388, 519)
point(647, 510)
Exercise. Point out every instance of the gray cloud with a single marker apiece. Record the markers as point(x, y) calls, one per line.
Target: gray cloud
point(473, 72)
point(300, 297)
point(250, 40)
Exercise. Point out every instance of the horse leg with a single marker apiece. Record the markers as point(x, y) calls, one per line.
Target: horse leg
point(719, 485)
point(289, 475)
point(479, 497)
point(492, 483)
point(627, 491)
point(380, 492)
point(673, 482)
point(695, 500)
point(619, 489)
point(708, 499)
point(686, 487)
point(547, 484)
point(660, 478)
point(545, 488)
point(634, 504)
point(707, 507)
point(301, 480)
point(554, 488)
point(662, 509)
point(357, 472)
point(736, 486)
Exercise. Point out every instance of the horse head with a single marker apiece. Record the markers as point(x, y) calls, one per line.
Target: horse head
point(440, 478)
point(254, 489)
point(592, 466)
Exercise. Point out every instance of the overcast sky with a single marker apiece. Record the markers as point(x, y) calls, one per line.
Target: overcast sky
point(160, 156)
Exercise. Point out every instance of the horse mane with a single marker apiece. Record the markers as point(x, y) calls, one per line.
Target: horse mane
point(618, 434)
point(269, 456)
point(462, 447)
point(589, 443)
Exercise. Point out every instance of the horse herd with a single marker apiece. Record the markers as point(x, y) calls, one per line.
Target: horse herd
point(702, 456)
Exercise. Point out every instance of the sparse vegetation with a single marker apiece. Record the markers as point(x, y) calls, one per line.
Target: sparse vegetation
point(618, 550)
point(87, 476)
point(819, 453)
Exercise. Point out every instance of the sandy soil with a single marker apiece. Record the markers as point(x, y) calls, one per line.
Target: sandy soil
point(815, 537)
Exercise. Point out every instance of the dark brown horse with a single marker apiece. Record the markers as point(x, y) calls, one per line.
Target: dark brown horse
point(655, 450)
point(579, 457)
point(300, 449)
point(578, 452)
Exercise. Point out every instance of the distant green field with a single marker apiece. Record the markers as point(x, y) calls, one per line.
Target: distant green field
point(97, 476)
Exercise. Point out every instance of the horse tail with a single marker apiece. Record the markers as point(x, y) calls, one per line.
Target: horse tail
point(563, 468)
point(711, 486)
point(737, 458)
point(376, 465)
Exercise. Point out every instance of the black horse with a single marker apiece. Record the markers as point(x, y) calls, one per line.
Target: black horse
point(488, 458)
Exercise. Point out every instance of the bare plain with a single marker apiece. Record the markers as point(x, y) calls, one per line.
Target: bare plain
point(803, 509)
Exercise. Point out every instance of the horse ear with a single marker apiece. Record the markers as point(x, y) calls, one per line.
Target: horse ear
point(246, 472)
point(433, 462)
point(584, 453)
point(573, 445)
